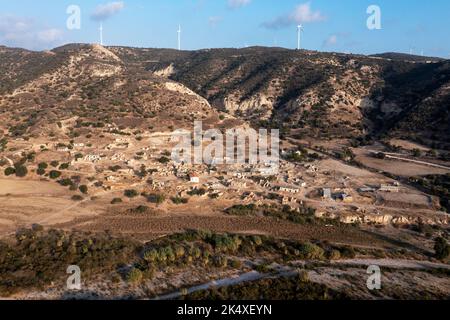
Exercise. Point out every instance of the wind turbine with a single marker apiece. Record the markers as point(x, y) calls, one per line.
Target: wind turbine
point(101, 33)
point(299, 33)
point(179, 37)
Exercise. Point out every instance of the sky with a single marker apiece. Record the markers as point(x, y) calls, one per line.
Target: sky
point(420, 27)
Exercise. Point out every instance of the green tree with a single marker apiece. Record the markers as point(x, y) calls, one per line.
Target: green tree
point(43, 165)
point(54, 174)
point(83, 189)
point(131, 193)
point(10, 171)
point(21, 171)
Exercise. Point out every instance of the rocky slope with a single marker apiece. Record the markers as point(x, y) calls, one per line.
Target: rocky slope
point(307, 93)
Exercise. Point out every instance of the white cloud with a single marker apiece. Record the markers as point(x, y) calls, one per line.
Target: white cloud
point(331, 41)
point(50, 35)
point(234, 4)
point(302, 13)
point(105, 11)
point(26, 33)
point(214, 21)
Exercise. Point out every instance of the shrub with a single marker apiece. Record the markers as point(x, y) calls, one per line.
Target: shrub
point(131, 193)
point(116, 200)
point(134, 276)
point(65, 182)
point(77, 197)
point(242, 210)
point(236, 264)
point(10, 171)
point(54, 163)
point(164, 160)
point(40, 171)
point(334, 255)
point(197, 192)
point(141, 209)
point(151, 255)
point(54, 174)
point(178, 200)
point(64, 166)
point(441, 248)
point(156, 198)
point(43, 165)
point(21, 171)
point(311, 251)
point(83, 189)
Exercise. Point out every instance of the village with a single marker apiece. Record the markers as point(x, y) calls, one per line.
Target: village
point(123, 166)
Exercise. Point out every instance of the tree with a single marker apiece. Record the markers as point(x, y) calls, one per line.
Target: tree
point(156, 198)
point(43, 165)
point(21, 171)
point(54, 174)
point(131, 193)
point(64, 166)
point(441, 248)
point(10, 171)
point(54, 163)
point(163, 160)
point(83, 189)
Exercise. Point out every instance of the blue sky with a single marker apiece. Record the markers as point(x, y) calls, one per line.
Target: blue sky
point(330, 25)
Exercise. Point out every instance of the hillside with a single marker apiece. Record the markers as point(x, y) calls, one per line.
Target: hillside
point(320, 94)
point(306, 93)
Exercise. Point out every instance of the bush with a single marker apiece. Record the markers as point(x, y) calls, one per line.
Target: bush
point(311, 251)
point(131, 193)
point(178, 200)
point(54, 163)
point(43, 165)
point(334, 255)
point(10, 171)
point(77, 198)
point(141, 209)
point(441, 248)
point(83, 189)
point(156, 198)
point(21, 171)
point(197, 192)
point(65, 182)
point(134, 276)
point(116, 200)
point(163, 160)
point(40, 171)
point(54, 174)
point(64, 166)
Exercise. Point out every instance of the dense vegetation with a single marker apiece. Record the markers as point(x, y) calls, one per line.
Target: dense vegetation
point(438, 185)
point(283, 288)
point(40, 257)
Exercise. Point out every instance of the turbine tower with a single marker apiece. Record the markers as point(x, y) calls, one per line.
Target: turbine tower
point(179, 37)
point(101, 33)
point(299, 34)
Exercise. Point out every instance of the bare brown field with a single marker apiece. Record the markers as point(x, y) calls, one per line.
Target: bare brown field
point(151, 227)
point(25, 202)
